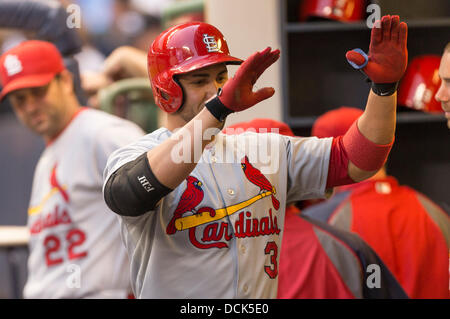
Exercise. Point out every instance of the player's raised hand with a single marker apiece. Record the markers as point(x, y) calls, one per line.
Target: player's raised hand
point(388, 54)
point(237, 94)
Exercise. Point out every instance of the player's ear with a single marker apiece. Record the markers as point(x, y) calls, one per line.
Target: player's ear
point(66, 80)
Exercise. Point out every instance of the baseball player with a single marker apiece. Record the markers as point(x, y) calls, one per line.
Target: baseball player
point(405, 228)
point(75, 247)
point(443, 94)
point(319, 261)
point(199, 225)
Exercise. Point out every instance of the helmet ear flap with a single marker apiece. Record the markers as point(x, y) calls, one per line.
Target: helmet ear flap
point(180, 87)
point(169, 95)
point(162, 94)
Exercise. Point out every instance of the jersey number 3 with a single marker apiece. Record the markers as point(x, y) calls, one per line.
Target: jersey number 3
point(272, 250)
point(52, 243)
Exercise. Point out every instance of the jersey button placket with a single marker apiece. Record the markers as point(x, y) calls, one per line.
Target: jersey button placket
point(212, 151)
point(245, 288)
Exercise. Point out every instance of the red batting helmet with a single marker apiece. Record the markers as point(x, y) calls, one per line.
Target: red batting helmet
point(340, 10)
point(182, 49)
point(420, 84)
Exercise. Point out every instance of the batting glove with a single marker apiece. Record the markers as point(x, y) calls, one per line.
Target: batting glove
point(237, 93)
point(388, 56)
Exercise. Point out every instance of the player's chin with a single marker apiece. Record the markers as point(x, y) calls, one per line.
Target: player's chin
point(40, 128)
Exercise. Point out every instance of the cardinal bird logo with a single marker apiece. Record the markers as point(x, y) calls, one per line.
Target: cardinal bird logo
point(191, 197)
point(54, 183)
point(255, 176)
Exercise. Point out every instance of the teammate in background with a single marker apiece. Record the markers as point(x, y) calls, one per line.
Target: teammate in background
point(128, 61)
point(405, 228)
point(75, 247)
point(443, 94)
point(319, 261)
point(199, 225)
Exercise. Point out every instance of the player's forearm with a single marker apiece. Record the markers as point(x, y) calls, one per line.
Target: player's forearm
point(377, 123)
point(125, 62)
point(186, 144)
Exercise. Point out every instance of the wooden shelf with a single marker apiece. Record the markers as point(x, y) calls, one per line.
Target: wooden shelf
point(419, 117)
point(402, 118)
point(324, 26)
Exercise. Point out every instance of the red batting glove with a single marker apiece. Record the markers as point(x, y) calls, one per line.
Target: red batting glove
point(237, 94)
point(388, 55)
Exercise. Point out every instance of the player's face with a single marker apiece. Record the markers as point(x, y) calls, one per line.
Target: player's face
point(39, 108)
point(199, 86)
point(443, 94)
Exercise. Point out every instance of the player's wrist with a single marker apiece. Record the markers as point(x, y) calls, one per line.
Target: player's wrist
point(384, 89)
point(217, 108)
point(208, 119)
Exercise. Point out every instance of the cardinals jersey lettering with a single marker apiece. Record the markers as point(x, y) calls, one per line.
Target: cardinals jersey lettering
point(75, 246)
point(218, 234)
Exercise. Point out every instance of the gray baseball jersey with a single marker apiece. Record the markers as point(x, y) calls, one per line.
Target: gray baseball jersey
point(75, 245)
point(218, 234)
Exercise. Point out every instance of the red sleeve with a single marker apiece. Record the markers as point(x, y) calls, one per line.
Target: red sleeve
point(338, 167)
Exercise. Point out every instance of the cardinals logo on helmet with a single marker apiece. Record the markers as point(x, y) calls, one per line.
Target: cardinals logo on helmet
point(211, 44)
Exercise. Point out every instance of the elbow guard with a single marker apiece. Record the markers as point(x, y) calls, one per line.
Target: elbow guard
point(133, 190)
point(365, 154)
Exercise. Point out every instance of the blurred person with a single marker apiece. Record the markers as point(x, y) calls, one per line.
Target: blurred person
point(409, 232)
point(105, 30)
point(317, 260)
point(131, 60)
point(443, 94)
point(75, 247)
point(185, 11)
point(124, 62)
point(149, 31)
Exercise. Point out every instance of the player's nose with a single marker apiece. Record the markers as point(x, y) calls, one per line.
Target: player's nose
point(441, 95)
point(30, 104)
point(213, 89)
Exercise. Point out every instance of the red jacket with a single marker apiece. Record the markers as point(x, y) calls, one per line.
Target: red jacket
point(320, 261)
point(407, 230)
